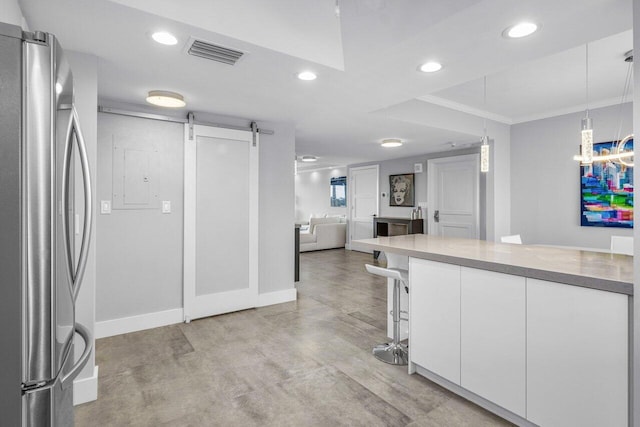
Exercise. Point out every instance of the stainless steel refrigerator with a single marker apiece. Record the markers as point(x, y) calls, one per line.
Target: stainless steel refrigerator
point(41, 267)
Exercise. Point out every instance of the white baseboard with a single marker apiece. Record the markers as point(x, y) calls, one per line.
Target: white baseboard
point(277, 297)
point(108, 328)
point(86, 389)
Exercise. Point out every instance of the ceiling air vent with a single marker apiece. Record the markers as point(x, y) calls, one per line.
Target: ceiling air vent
point(214, 52)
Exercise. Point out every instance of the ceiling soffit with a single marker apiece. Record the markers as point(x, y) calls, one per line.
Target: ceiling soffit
point(307, 29)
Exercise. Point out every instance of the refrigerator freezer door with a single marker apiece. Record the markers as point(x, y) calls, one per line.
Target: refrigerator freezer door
point(50, 406)
point(10, 218)
point(49, 317)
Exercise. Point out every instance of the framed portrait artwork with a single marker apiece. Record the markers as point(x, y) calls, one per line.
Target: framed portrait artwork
point(402, 190)
point(606, 188)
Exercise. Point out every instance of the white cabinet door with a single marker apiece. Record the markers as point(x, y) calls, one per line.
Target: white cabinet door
point(577, 356)
point(434, 300)
point(493, 331)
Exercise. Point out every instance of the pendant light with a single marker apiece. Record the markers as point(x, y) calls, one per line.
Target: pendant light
point(484, 148)
point(619, 153)
point(586, 148)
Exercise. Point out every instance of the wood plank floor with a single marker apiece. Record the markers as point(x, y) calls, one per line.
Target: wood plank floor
point(304, 363)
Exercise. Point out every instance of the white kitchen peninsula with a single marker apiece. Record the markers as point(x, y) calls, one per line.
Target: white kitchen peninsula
point(538, 335)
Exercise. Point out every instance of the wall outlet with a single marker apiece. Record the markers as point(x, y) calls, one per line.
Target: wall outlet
point(166, 206)
point(105, 207)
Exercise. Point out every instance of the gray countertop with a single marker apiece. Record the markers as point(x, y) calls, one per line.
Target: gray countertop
point(597, 270)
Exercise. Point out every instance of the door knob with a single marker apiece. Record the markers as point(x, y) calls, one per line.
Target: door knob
point(436, 216)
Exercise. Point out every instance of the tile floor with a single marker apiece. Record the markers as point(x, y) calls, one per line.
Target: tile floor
point(304, 363)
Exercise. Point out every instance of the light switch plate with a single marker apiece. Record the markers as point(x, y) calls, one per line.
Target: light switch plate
point(105, 207)
point(166, 206)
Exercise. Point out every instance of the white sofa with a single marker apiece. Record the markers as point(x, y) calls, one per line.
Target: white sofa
point(324, 233)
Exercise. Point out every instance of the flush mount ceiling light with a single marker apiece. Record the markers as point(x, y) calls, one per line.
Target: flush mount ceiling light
point(430, 67)
point(307, 75)
point(522, 29)
point(308, 158)
point(163, 37)
point(163, 98)
point(391, 143)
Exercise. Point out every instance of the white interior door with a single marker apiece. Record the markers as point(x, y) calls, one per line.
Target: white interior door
point(364, 201)
point(454, 196)
point(221, 221)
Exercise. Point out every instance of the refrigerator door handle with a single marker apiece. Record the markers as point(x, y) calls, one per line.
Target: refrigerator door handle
point(65, 201)
point(88, 205)
point(76, 273)
point(67, 380)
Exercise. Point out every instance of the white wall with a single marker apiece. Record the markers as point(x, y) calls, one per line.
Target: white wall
point(276, 208)
point(312, 192)
point(85, 74)
point(140, 251)
point(545, 180)
point(11, 13)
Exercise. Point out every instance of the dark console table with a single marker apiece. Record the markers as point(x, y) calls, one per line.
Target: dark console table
point(388, 226)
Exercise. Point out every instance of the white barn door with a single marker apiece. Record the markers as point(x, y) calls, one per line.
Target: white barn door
point(221, 221)
point(454, 196)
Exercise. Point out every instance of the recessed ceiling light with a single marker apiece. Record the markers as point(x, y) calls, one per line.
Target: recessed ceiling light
point(391, 143)
point(308, 158)
point(523, 29)
point(163, 37)
point(430, 67)
point(307, 75)
point(163, 98)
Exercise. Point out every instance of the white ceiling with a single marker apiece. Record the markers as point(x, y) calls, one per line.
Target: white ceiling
point(368, 86)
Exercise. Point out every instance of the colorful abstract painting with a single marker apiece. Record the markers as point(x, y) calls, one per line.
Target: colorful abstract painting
point(607, 190)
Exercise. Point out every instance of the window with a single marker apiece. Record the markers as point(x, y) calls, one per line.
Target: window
point(339, 191)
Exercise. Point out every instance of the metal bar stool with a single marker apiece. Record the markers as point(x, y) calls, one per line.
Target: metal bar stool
point(393, 353)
